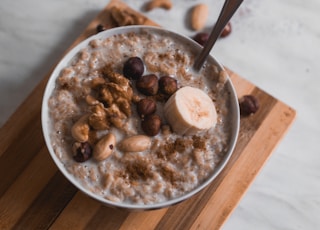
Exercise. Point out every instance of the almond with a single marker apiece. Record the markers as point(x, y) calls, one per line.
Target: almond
point(105, 147)
point(199, 15)
point(137, 143)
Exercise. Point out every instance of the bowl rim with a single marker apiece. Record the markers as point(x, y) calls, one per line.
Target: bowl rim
point(120, 30)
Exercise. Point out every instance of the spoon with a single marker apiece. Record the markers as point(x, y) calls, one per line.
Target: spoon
point(229, 8)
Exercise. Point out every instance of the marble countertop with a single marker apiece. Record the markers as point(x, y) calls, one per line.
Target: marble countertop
point(274, 44)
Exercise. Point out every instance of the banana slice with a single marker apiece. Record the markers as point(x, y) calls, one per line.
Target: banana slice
point(189, 111)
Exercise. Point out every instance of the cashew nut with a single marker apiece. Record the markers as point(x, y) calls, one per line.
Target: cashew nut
point(104, 148)
point(137, 143)
point(165, 4)
point(124, 17)
point(80, 129)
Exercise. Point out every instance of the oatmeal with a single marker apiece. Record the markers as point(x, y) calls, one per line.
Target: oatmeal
point(108, 122)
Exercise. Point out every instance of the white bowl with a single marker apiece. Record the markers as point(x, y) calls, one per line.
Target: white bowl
point(233, 122)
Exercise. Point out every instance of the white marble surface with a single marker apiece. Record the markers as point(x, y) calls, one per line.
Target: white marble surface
point(274, 44)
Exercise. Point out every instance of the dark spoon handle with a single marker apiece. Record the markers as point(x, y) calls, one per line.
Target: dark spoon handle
point(229, 8)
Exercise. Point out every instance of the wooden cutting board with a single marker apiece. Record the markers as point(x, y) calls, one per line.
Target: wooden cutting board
point(35, 195)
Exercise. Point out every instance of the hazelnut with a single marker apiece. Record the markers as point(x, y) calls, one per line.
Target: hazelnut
point(249, 104)
point(148, 84)
point(81, 151)
point(133, 68)
point(146, 106)
point(151, 124)
point(226, 30)
point(167, 85)
point(201, 38)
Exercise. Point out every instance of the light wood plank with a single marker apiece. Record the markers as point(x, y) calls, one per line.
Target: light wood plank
point(146, 220)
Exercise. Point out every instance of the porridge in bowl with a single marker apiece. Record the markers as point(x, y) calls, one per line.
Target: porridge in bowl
point(127, 119)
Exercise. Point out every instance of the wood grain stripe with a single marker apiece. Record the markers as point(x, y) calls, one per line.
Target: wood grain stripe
point(77, 214)
point(107, 218)
point(145, 220)
point(18, 155)
point(16, 200)
point(241, 85)
point(48, 204)
point(21, 122)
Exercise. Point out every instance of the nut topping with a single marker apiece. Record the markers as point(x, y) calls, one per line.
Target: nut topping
point(133, 68)
point(80, 129)
point(148, 84)
point(137, 143)
point(199, 15)
point(146, 106)
point(81, 151)
point(164, 4)
point(201, 38)
point(226, 30)
point(151, 124)
point(98, 119)
point(249, 104)
point(104, 148)
point(167, 85)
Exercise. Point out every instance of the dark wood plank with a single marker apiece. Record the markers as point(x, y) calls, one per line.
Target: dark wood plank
point(49, 203)
point(107, 218)
point(25, 188)
point(18, 155)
